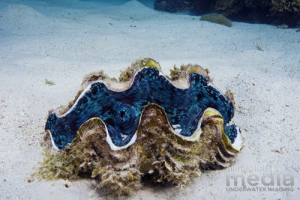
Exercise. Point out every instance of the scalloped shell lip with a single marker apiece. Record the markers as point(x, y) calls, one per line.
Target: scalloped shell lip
point(236, 145)
point(193, 137)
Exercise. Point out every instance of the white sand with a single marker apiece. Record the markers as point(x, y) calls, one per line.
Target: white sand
point(61, 42)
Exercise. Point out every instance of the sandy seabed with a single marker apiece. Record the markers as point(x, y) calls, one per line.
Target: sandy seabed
point(62, 42)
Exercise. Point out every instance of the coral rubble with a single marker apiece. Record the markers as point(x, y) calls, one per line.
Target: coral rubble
point(173, 5)
point(263, 11)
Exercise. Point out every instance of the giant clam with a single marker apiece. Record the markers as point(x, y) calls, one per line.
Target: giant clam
point(145, 125)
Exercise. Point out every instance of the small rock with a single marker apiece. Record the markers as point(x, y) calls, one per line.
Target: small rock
point(283, 26)
point(217, 18)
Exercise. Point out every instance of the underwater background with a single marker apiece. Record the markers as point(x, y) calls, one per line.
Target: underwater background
point(47, 47)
